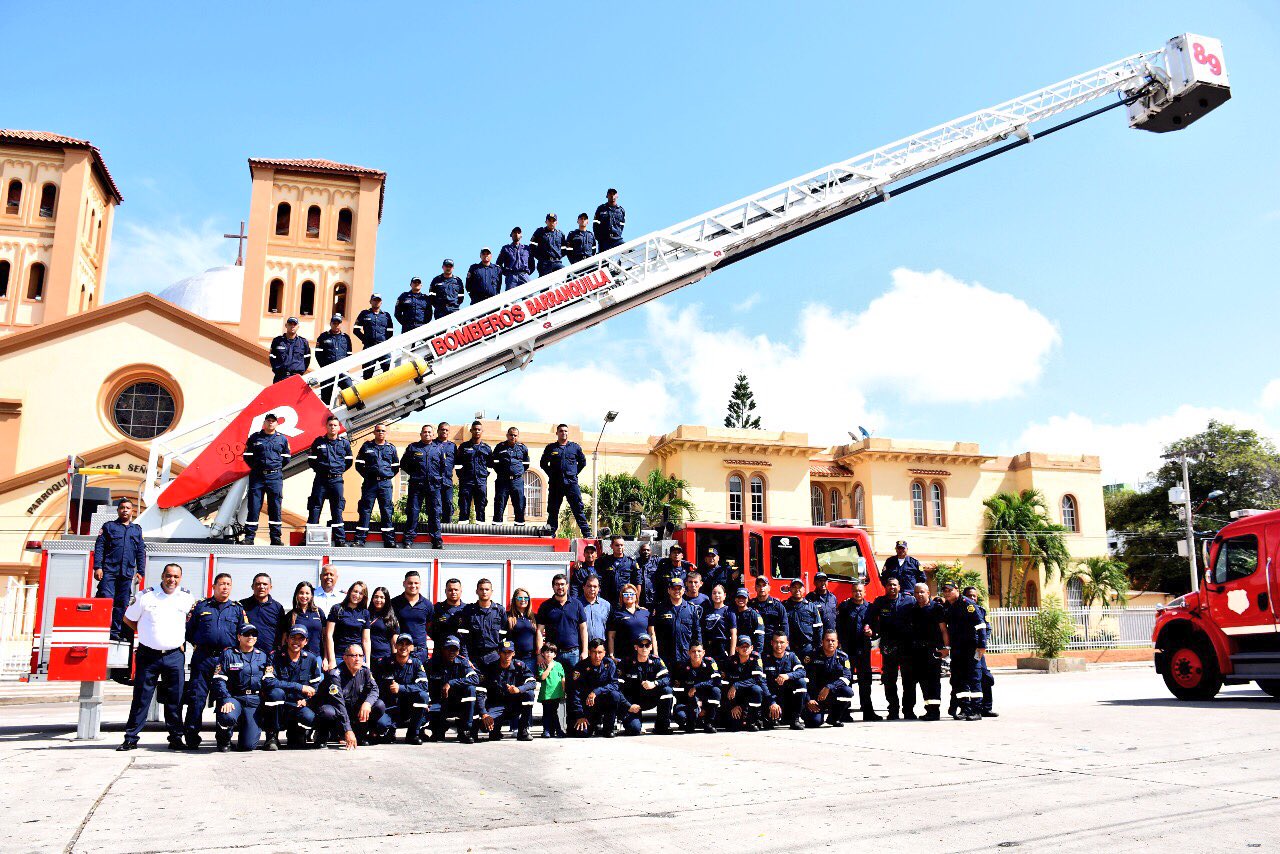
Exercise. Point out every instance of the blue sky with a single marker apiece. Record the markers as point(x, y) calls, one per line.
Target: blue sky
point(1103, 291)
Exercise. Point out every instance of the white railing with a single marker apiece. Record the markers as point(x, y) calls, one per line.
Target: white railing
point(1096, 628)
point(15, 629)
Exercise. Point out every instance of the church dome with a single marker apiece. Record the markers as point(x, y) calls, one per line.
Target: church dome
point(215, 294)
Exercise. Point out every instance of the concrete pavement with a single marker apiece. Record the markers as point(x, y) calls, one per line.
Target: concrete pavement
point(1076, 762)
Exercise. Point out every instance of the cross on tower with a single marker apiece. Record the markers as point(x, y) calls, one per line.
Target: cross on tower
point(240, 239)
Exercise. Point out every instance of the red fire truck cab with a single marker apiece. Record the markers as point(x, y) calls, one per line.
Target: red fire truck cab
point(1227, 631)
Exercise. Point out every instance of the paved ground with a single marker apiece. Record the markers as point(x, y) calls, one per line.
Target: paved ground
point(1077, 762)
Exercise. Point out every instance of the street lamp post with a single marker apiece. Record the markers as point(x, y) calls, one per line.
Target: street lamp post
point(609, 418)
point(1187, 513)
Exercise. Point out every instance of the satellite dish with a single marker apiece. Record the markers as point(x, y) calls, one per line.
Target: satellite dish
point(866, 434)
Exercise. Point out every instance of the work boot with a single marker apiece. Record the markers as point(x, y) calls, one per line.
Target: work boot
point(438, 734)
point(495, 734)
point(835, 721)
point(932, 715)
point(192, 741)
point(272, 742)
point(389, 542)
point(132, 745)
point(871, 716)
point(276, 541)
point(689, 726)
point(412, 737)
point(893, 715)
point(972, 716)
point(909, 716)
point(464, 736)
point(987, 713)
point(709, 728)
point(437, 544)
point(796, 724)
point(750, 726)
point(523, 735)
point(223, 745)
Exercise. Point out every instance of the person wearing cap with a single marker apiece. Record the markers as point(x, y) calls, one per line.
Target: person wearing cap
point(830, 684)
point(562, 621)
point(628, 622)
point(562, 460)
point(482, 626)
point(581, 243)
point(902, 567)
point(372, 327)
point(453, 682)
point(333, 345)
point(719, 626)
point(265, 613)
point(119, 553)
point(787, 682)
point(290, 687)
point(745, 687)
point(547, 246)
point(677, 625)
point(671, 567)
point(853, 626)
point(967, 634)
point(484, 280)
point(266, 453)
point(888, 618)
point(609, 221)
point(515, 261)
point(290, 352)
point(354, 704)
point(473, 459)
point(713, 572)
point(413, 307)
point(446, 291)
point(696, 681)
point(429, 463)
point(509, 460)
point(585, 569)
point(330, 457)
point(376, 464)
point(506, 695)
point(158, 616)
point(617, 570)
point(402, 685)
point(928, 645)
point(646, 579)
point(594, 695)
point(213, 626)
point(825, 601)
point(804, 622)
point(987, 680)
point(237, 692)
point(773, 614)
point(646, 684)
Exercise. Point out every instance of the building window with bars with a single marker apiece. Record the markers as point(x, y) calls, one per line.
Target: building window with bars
point(735, 498)
point(917, 504)
point(533, 499)
point(935, 505)
point(817, 500)
point(757, 498)
point(1070, 518)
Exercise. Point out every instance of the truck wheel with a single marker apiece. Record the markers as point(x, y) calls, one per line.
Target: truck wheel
point(1271, 686)
point(1193, 672)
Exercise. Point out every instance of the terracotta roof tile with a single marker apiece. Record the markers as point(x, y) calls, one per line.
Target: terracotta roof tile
point(315, 164)
point(829, 470)
point(45, 139)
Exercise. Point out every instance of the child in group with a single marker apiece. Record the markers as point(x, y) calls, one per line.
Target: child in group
point(550, 690)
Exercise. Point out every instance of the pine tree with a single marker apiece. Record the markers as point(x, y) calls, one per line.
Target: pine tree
point(741, 404)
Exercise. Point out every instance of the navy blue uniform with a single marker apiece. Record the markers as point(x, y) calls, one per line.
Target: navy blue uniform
point(909, 574)
point(313, 621)
point(332, 347)
point(516, 262)
point(562, 464)
point(266, 455)
point(413, 310)
point(120, 553)
point(377, 465)
point(698, 692)
point(579, 244)
point(628, 628)
point(923, 661)
point(647, 581)
point(289, 356)
point(482, 631)
point(967, 631)
point(506, 708)
point(578, 580)
point(472, 460)
point(792, 694)
point(509, 463)
point(832, 674)
point(407, 704)
point(329, 459)
point(237, 680)
point(212, 627)
point(446, 295)
point(616, 573)
point(374, 327)
point(719, 574)
point(381, 637)
point(632, 673)
point(702, 601)
point(414, 620)
point(608, 224)
point(269, 618)
point(282, 691)
point(851, 619)
point(349, 626)
point(750, 625)
point(774, 616)
point(430, 468)
point(745, 681)
point(804, 626)
point(827, 606)
point(524, 636)
point(888, 619)
point(458, 707)
point(602, 681)
point(677, 628)
point(988, 680)
point(346, 693)
point(547, 246)
point(444, 621)
point(483, 281)
point(718, 627)
point(669, 570)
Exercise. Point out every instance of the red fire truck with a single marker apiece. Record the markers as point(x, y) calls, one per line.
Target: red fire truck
point(1227, 631)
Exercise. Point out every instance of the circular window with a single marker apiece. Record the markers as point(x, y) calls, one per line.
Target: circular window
point(143, 410)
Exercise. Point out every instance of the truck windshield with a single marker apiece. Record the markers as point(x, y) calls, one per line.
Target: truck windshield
point(840, 559)
point(1237, 558)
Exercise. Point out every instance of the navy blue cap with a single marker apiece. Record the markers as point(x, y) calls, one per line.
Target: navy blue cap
point(900, 544)
point(713, 552)
point(448, 262)
point(292, 320)
point(299, 629)
point(404, 636)
point(373, 297)
point(452, 641)
point(743, 592)
point(744, 640)
point(507, 646)
point(337, 318)
point(820, 575)
point(675, 582)
point(249, 629)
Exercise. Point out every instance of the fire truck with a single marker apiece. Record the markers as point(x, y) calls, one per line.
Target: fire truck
point(197, 482)
point(1227, 631)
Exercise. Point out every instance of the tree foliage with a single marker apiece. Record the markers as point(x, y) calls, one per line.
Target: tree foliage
point(955, 573)
point(1020, 535)
point(1051, 628)
point(629, 504)
point(742, 403)
point(1102, 579)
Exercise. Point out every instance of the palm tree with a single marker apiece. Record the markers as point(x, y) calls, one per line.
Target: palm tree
point(660, 491)
point(615, 496)
point(1101, 579)
point(1018, 528)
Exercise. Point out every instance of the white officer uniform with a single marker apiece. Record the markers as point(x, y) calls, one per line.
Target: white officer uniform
point(162, 630)
point(325, 601)
point(161, 617)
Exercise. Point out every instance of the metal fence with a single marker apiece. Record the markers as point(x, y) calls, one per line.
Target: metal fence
point(1096, 628)
point(15, 629)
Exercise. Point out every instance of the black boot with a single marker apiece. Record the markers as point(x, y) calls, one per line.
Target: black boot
point(523, 735)
point(272, 742)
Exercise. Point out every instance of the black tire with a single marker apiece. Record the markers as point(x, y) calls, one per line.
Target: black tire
point(1270, 686)
point(1193, 672)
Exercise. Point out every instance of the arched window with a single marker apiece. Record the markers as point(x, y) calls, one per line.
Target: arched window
point(735, 498)
point(860, 504)
point(817, 498)
point(1031, 594)
point(48, 195)
point(283, 212)
point(275, 297)
point(1075, 593)
point(533, 495)
point(757, 498)
point(935, 504)
point(340, 299)
point(835, 504)
point(917, 504)
point(344, 225)
point(4, 279)
point(1070, 519)
point(307, 299)
point(35, 282)
point(14, 197)
point(313, 221)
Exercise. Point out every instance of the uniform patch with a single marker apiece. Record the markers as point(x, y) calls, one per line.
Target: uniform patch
point(333, 690)
point(969, 608)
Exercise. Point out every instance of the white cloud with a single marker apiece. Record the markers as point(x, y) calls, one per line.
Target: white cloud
point(1270, 397)
point(150, 258)
point(747, 303)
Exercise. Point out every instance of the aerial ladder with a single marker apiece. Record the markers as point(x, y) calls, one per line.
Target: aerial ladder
point(1163, 90)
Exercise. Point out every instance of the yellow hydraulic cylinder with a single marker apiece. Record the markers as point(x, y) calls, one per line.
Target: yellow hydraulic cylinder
point(380, 384)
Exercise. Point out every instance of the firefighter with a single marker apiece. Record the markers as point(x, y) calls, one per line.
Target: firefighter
point(748, 619)
point(804, 622)
point(429, 463)
point(562, 460)
point(967, 634)
point(482, 626)
point(330, 457)
point(355, 704)
point(266, 453)
point(510, 460)
point(609, 221)
point(697, 683)
point(484, 280)
point(594, 695)
point(887, 618)
point(713, 572)
point(746, 688)
point(289, 690)
point(447, 613)
point(581, 243)
point(673, 567)
point(402, 685)
point(214, 626)
point(414, 612)
point(119, 554)
point(928, 646)
point(904, 568)
point(333, 345)
point(453, 681)
point(413, 307)
point(646, 684)
point(507, 695)
point(446, 291)
point(376, 464)
point(826, 601)
point(547, 246)
point(773, 614)
point(473, 459)
point(515, 261)
point(373, 326)
point(617, 570)
point(830, 684)
point(647, 576)
point(158, 616)
point(676, 624)
point(265, 613)
point(788, 684)
point(290, 352)
point(694, 596)
point(853, 624)
point(237, 693)
point(720, 626)
point(988, 680)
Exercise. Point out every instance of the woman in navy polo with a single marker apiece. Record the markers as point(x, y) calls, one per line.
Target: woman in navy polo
point(384, 626)
point(349, 623)
point(627, 624)
point(305, 613)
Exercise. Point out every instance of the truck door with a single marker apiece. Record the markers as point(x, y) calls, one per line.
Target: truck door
point(1236, 587)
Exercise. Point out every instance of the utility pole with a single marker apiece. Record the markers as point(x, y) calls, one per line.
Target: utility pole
point(1191, 532)
point(595, 483)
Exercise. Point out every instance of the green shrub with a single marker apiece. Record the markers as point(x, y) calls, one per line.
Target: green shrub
point(1052, 628)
